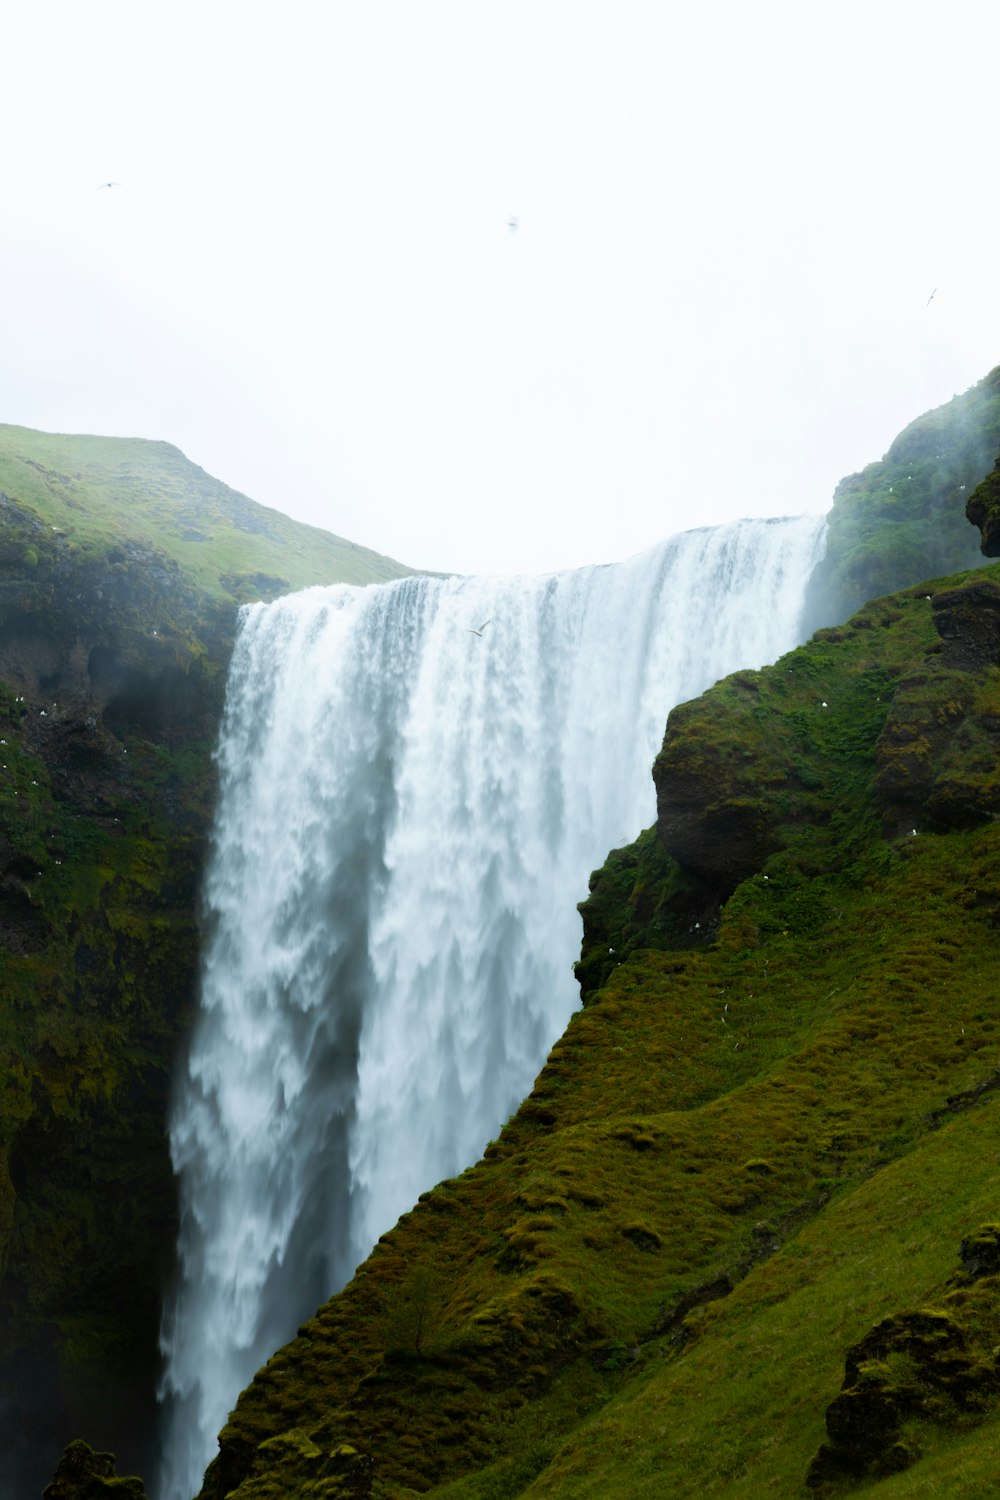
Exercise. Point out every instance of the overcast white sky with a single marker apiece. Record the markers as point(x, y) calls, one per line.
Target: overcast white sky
point(731, 217)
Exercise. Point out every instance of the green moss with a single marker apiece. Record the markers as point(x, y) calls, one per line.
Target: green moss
point(983, 510)
point(634, 897)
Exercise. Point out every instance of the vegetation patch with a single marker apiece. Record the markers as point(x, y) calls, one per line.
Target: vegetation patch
point(105, 497)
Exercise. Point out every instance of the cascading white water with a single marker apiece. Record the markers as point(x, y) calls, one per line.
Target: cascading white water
point(409, 813)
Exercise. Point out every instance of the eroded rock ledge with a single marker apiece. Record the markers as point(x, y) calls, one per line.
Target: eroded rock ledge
point(735, 784)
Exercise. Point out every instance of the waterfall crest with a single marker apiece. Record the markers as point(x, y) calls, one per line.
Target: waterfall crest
point(409, 812)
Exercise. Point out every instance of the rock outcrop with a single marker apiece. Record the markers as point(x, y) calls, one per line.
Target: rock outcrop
point(933, 1366)
point(983, 510)
point(83, 1474)
point(735, 786)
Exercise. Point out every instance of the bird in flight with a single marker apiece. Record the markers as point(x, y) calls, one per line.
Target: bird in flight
point(513, 223)
point(930, 299)
point(473, 631)
point(108, 184)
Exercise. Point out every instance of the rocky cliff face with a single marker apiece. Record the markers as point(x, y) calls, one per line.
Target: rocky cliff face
point(112, 673)
point(733, 788)
point(983, 510)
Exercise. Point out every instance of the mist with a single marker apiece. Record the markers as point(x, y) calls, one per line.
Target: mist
point(715, 303)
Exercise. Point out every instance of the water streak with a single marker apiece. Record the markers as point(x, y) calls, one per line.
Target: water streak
point(409, 812)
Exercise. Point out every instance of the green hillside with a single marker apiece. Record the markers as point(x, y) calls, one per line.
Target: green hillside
point(742, 1238)
point(903, 517)
point(100, 491)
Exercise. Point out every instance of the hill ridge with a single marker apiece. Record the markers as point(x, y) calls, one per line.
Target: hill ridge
point(98, 491)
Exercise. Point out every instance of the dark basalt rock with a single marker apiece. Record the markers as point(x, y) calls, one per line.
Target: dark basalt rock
point(722, 840)
point(712, 815)
point(980, 1252)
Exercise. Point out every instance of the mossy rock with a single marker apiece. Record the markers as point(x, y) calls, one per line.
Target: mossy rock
point(83, 1474)
point(980, 1252)
point(983, 510)
point(932, 1365)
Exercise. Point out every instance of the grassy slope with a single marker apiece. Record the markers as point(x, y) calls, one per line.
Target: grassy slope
point(740, 1156)
point(98, 489)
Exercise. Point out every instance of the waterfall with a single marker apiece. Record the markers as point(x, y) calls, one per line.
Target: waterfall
point(411, 801)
